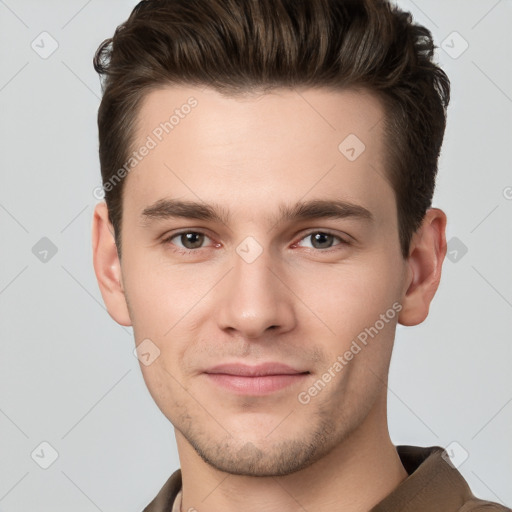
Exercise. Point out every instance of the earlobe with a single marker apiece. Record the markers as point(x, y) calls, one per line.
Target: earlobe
point(107, 266)
point(426, 256)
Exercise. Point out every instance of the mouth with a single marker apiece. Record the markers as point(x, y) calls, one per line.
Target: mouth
point(262, 379)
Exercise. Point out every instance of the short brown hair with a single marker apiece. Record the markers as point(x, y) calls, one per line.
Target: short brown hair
point(239, 46)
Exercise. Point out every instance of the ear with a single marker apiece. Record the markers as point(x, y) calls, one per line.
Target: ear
point(426, 256)
point(107, 266)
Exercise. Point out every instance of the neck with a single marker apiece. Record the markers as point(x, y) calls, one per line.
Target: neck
point(355, 476)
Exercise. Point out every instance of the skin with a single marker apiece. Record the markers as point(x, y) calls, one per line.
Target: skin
point(299, 302)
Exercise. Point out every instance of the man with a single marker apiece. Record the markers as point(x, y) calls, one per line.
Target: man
point(269, 167)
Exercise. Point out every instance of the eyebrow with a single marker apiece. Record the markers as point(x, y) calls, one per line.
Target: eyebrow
point(165, 209)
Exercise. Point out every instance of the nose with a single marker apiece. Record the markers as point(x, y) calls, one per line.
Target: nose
point(255, 300)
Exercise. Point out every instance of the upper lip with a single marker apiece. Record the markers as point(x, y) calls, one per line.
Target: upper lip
point(259, 370)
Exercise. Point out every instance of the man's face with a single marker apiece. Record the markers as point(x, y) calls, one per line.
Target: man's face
point(254, 287)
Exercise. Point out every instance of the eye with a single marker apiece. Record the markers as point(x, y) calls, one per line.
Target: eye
point(187, 240)
point(323, 240)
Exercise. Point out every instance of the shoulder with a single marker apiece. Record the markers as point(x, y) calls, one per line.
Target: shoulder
point(476, 505)
point(434, 483)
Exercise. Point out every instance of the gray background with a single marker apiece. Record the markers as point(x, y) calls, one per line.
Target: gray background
point(68, 376)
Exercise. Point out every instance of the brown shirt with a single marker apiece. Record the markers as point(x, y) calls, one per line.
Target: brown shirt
point(433, 485)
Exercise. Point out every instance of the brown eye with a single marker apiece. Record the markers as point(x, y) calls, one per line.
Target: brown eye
point(322, 240)
point(192, 240)
point(187, 240)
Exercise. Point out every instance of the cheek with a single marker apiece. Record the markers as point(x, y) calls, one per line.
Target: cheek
point(169, 306)
point(358, 306)
point(165, 389)
point(349, 296)
point(161, 294)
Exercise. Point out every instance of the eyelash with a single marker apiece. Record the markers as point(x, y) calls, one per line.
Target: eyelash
point(179, 250)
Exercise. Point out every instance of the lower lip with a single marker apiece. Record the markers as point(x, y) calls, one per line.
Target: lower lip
point(261, 385)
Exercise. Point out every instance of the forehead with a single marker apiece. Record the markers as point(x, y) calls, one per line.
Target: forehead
point(318, 114)
point(248, 150)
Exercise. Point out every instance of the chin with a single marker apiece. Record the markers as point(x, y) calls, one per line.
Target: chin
point(263, 456)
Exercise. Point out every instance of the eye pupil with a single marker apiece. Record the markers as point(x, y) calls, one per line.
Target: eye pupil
point(322, 240)
point(192, 240)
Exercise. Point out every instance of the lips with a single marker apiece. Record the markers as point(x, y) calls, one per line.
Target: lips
point(254, 371)
point(255, 380)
